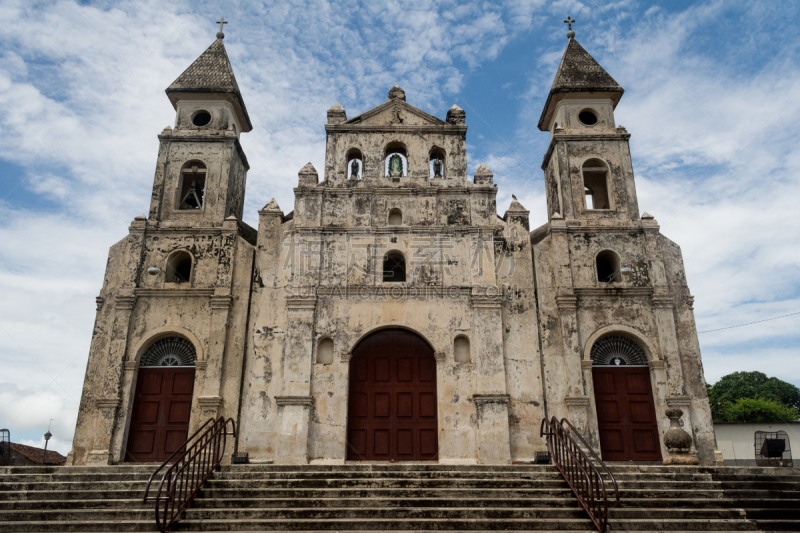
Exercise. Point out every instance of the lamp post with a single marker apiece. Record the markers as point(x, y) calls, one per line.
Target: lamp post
point(46, 440)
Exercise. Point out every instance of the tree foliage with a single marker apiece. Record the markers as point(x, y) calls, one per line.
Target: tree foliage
point(726, 396)
point(758, 410)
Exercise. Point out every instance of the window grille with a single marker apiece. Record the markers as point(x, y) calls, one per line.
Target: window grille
point(617, 351)
point(169, 351)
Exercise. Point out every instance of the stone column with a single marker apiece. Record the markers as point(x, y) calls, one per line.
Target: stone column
point(576, 399)
point(591, 432)
point(209, 378)
point(658, 380)
point(491, 401)
point(291, 446)
point(108, 403)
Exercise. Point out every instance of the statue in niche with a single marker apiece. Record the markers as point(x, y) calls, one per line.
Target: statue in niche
point(395, 166)
point(354, 169)
point(437, 168)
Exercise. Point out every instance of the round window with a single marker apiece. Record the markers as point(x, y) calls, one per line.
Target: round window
point(201, 118)
point(587, 117)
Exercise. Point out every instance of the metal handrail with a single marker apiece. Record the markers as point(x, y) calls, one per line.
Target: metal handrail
point(574, 431)
point(580, 474)
point(191, 465)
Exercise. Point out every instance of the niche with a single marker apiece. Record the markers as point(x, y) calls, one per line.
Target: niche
point(325, 351)
point(355, 164)
point(395, 217)
point(395, 160)
point(437, 163)
point(461, 349)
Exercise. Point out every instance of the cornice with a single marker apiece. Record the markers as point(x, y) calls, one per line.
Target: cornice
point(559, 137)
point(482, 399)
point(589, 292)
point(224, 138)
point(174, 293)
point(452, 129)
point(294, 400)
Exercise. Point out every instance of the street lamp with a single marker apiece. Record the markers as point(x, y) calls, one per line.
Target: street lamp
point(46, 440)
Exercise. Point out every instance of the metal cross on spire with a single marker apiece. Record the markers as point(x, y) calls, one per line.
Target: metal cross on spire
point(221, 21)
point(569, 21)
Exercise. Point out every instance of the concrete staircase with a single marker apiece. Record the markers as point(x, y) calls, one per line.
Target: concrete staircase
point(401, 497)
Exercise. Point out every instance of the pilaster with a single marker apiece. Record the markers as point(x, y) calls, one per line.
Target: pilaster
point(494, 441)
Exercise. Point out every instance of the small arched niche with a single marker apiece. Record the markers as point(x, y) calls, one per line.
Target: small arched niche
point(355, 164)
point(437, 162)
point(608, 266)
point(395, 160)
point(179, 267)
point(394, 267)
point(461, 350)
point(617, 350)
point(395, 217)
point(192, 185)
point(325, 351)
point(595, 184)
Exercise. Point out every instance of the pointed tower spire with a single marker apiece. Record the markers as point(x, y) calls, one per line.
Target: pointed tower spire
point(578, 72)
point(211, 73)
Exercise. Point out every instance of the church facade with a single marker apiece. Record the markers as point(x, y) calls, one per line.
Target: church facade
point(392, 315)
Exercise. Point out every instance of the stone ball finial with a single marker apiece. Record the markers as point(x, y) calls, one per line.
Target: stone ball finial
point(570, 34)
point(220, 35)
point(396, 93)
point(678, 441)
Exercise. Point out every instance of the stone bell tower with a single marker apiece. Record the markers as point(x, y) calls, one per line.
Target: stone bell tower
point(588, 170)
point(201, 171)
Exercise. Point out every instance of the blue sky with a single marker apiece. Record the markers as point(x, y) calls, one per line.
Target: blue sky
point(711, 102)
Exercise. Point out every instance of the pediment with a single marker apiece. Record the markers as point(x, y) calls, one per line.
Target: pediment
point(396, 113)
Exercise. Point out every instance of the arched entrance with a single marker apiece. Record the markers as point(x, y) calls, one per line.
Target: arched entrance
point(392, 403)
point(626, 413)
point(162, 403)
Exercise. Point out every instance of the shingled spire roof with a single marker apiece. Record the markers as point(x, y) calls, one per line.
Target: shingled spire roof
point(210, 73)
point(579, 72)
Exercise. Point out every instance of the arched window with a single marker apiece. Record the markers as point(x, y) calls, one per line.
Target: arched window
point(595, 184)
point(192, 185)
point(395, 217)
point(461, 349)
point(395, 160)
point(394, 267)
point(179, 267)
point(325, 351)
point(355, 164)
point(617, 351)
point(437, 162)
point(169, 351)
point(608, 266)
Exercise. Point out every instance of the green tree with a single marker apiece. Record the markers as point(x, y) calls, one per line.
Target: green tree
point(725, 393)
point(758, 410)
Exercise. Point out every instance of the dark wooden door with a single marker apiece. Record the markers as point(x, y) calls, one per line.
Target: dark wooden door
point(161, 409)
point(626, 414)
point(392, 405)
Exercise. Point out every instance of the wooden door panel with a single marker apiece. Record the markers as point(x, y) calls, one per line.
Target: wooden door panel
point(393, 411)
point(626, 414)
point(160, 416)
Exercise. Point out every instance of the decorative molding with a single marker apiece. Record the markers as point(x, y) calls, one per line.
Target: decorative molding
point(200, 365)
point(486, 302)
point(294, 400)
point(107, 403)
point(679, 401)
point(439, 356)
point(174, 293)
point(586, 364)
point(482, 399)
point(566, 303)
point(124, 303)
point(656, 364)
point(131, 366)
point(209, 402)
point(576, 401)
point(662, 301)
point(690, 302)
point(221, 302)
point(99, 302)
point(301, 302)
point(587, 292)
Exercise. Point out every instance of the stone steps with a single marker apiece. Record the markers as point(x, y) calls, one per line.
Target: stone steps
point(399, 497)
